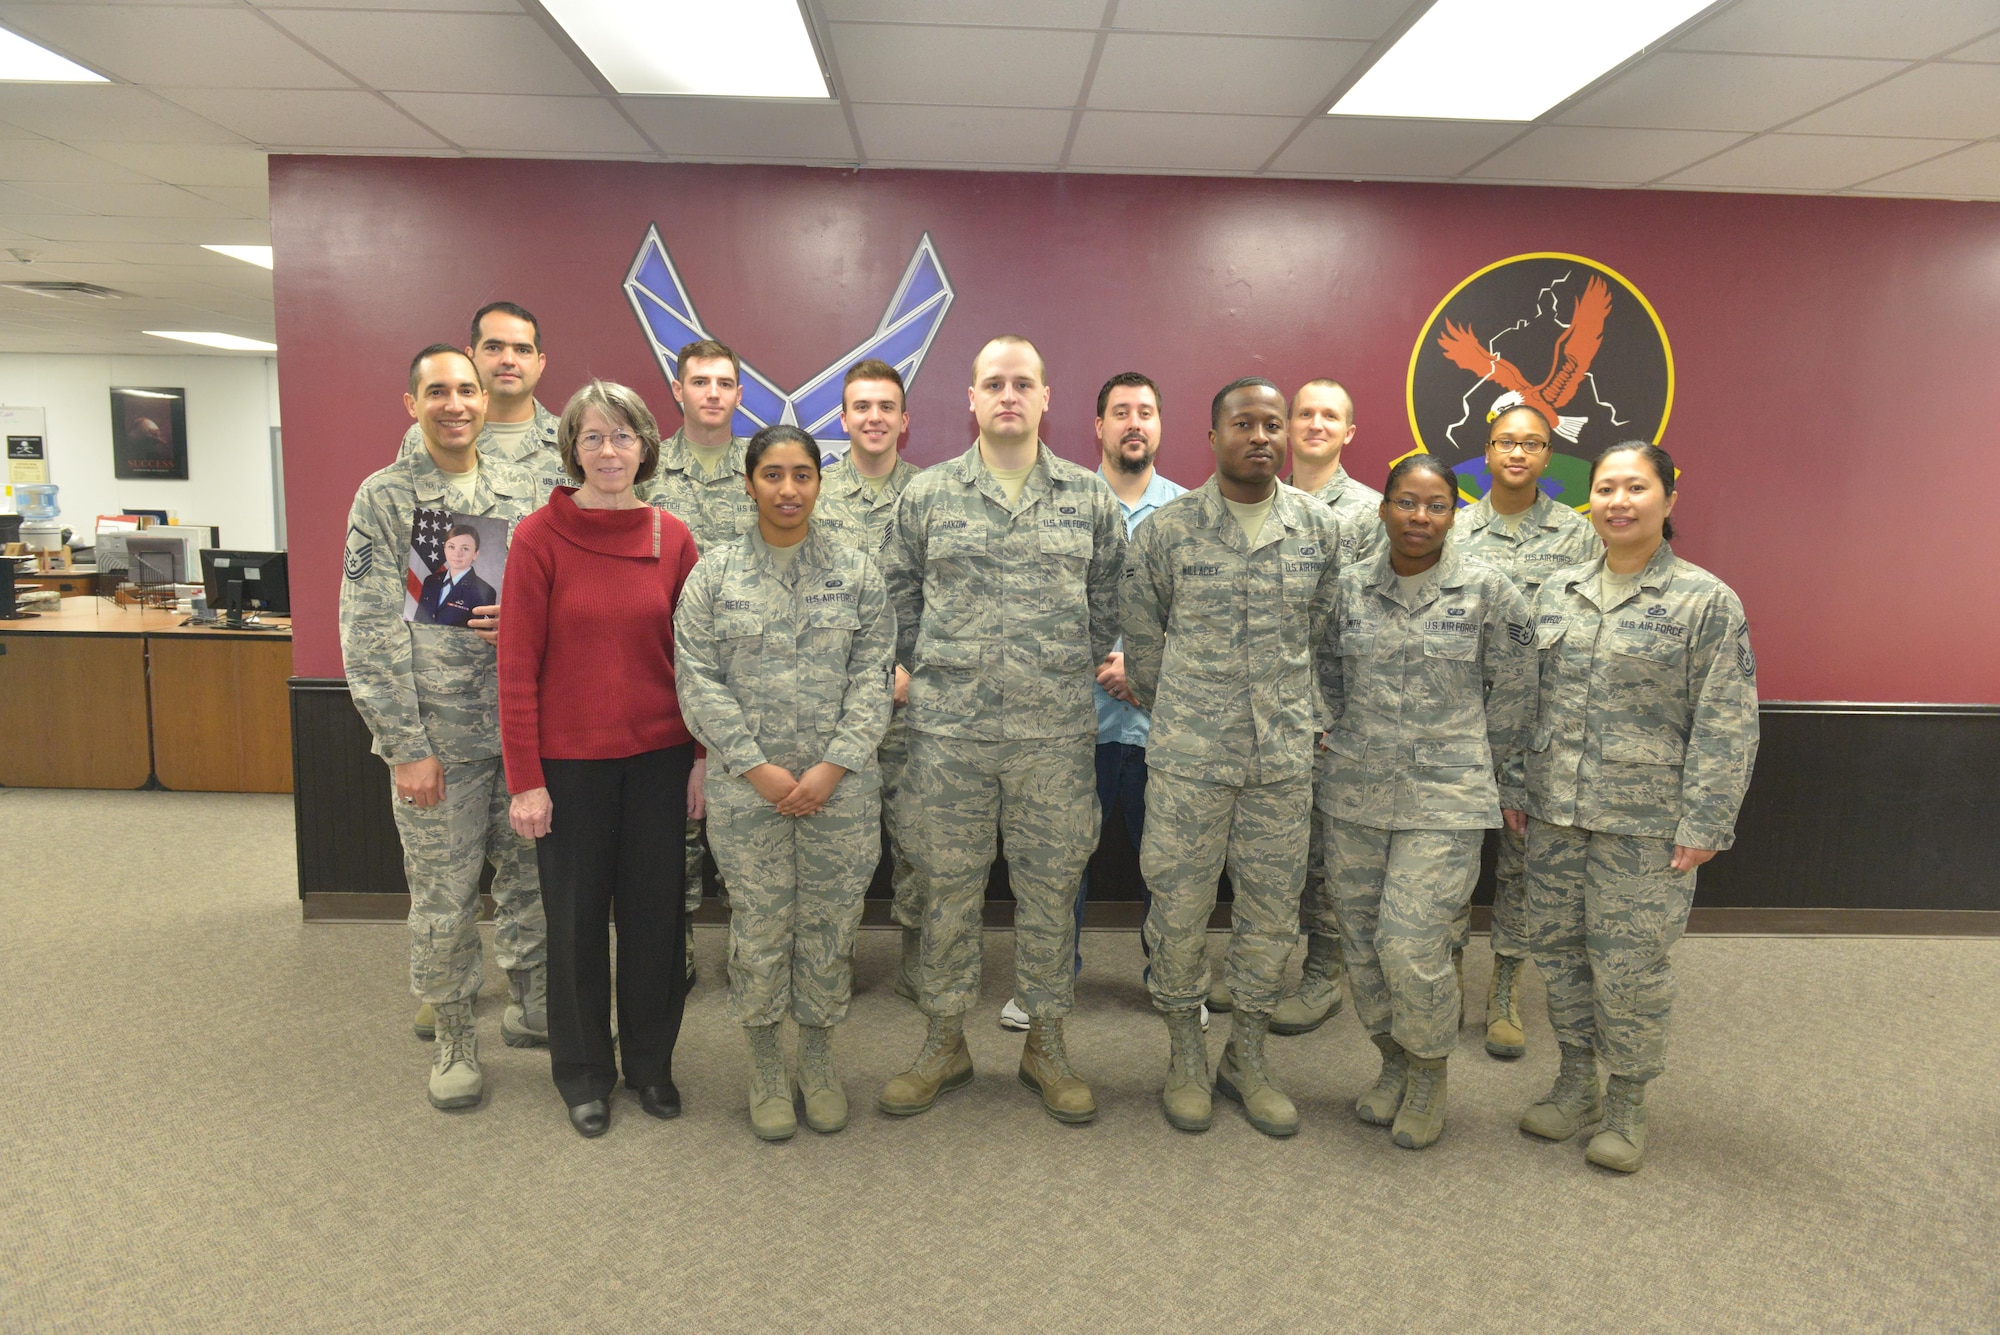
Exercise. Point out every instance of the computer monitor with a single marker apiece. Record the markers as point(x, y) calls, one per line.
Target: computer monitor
point(239, 582)
point(9, 612)
point(154, 560)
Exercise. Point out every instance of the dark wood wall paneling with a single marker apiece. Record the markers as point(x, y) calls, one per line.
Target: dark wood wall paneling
point(1853, 806)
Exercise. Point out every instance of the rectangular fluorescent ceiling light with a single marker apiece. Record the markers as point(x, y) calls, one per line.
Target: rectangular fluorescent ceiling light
point(227, 342)
point(1464, 59)
point(257, 255)
point(742, 48)
point(21, 61)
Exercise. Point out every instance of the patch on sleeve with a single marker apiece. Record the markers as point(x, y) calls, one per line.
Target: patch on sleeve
point(1520, 634)
point(1746, 662)
point(360, 556)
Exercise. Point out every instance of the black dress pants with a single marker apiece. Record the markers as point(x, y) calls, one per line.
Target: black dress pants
point(615, 839)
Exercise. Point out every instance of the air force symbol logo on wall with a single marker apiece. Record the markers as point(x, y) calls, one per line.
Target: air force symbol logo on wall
point(902, 339)
point(1560, 332)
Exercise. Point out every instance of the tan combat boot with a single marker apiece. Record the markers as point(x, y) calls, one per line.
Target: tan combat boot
point(1186, 1097)
point(1620, 1144)
point(1244, 1077)
point(819, 1087)
point(943, 1065)
point(770, 1090)
point(1045, 1069)
point(456, 1080)
point(525, 1022)
point(1378, 1105)
point(1572, 1103)
point(1420, 1121)
point(1504, 1036)
point(1318, 998)
point(1219, 999)
point(906, 972)
point(425, 1025)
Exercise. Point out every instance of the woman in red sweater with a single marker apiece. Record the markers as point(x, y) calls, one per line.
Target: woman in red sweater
point(597, 757)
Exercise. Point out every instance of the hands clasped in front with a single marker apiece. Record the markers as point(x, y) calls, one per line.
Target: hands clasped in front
point(800, 796)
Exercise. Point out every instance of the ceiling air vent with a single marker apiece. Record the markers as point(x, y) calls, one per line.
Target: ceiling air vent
point(57, 291)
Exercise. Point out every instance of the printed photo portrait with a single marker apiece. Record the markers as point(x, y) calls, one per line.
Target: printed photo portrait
point(457, 563)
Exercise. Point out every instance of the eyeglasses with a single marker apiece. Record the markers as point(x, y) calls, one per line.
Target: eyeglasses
point(592, 441)
point(1438, 509)
point(1524, 446)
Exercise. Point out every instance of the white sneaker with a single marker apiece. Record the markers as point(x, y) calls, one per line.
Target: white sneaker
point(1204, 1019)
point(1013, 1017)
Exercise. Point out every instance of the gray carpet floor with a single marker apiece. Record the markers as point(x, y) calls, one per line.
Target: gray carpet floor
point(212, 1119)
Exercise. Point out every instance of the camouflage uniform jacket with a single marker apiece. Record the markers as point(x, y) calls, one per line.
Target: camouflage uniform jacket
point(718, 509)
point(422, 690)
point(790, 668)
point(1646, 714)
point(1426, 697)
point(1003, 616)
point(852, 512)
point(1219, 635)
point(1358, 508)
point(1550, 536)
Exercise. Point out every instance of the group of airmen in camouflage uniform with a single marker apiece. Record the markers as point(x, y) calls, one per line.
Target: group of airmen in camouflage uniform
point(1338, 693)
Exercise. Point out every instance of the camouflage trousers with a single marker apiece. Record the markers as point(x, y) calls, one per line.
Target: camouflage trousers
point(1039, 795)
point(1510, 896)
point(444, 849)
point(1400, 894)
point(893, 755)
point(1603, 910)
point(796, 884)
point(1194, 831)
point(1319, 916)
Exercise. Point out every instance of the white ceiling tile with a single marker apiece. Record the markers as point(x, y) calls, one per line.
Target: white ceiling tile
point(1987, 50)
point(997, 67)
point(1265, 75)
point(1808, 161)
point(77, 112)
point(18, 199)
point(1898, 29)
point(187, 164)
point(449, 6)
point(1558, 154)
point(1973, 172)
point(1371, 146)
point(248, 201)
point(213, 48)
point(147, 199)
point(1173, 141)
point(1684, 91)
point(87, 227)
point(307, 119)
point(1358, 20)
point(1017, 13)
point(46, 160)
point(962, 134)
point(1929, 102)
point(400, 51)
point(727, 127)
point(500, 121)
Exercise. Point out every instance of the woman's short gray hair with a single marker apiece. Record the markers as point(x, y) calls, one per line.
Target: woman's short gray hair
point(618, 403)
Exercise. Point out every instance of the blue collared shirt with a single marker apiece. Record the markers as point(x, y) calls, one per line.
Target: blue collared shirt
point(1116, 720)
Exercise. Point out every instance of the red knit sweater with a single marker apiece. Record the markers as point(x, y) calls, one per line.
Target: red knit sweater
point(587, 636)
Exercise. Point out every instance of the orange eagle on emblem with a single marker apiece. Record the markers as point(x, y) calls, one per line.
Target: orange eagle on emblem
point(1576, 348)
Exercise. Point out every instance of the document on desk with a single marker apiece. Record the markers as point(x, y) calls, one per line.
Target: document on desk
point(457, 562)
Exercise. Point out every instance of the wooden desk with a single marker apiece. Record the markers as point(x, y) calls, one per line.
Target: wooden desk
point(100, 696)
point(68, 583)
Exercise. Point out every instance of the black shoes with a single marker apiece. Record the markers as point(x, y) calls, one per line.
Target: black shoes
point(591, 1119)
point(662, 1101)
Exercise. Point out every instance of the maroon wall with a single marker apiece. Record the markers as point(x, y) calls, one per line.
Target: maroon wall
point(1834, 357)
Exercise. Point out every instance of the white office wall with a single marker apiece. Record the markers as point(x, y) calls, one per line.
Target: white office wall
point(231, 407)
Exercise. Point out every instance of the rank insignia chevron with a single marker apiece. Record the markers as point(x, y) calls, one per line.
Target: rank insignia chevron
point(902, 339)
